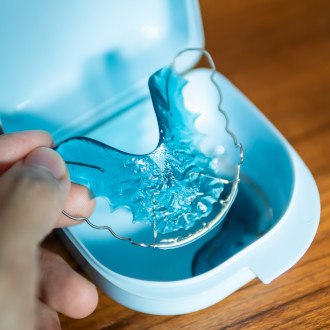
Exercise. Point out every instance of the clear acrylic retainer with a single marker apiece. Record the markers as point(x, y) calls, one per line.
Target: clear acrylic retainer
point(81, 68)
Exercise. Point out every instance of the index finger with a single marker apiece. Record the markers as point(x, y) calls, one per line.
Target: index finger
point(15, 146)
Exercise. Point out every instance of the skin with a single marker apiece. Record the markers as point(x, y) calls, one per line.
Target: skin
point(36, 284)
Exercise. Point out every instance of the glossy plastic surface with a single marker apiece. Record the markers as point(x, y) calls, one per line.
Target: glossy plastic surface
point(163, 282)
point(67, 66)
point(173, 186)
point(72, 81)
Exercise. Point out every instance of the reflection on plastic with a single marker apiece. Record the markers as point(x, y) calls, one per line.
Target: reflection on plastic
point(172, 187)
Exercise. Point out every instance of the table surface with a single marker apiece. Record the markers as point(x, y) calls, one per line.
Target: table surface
point(277, 52)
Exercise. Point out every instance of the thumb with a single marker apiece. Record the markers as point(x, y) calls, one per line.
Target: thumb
point(32, 196)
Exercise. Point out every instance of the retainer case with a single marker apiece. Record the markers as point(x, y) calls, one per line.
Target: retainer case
point(81, 68)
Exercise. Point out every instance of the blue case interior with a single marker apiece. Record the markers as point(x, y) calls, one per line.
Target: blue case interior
point(80, 67)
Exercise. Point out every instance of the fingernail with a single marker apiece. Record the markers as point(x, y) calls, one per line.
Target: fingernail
point(49, 159)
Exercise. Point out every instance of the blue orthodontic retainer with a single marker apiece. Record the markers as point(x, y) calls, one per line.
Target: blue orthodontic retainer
point(79, 69)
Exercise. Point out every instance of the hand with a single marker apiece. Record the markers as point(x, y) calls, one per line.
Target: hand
point(35, 284)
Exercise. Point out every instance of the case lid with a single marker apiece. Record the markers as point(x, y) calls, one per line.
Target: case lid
point(67, 65)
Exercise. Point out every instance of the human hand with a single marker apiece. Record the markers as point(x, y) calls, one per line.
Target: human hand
point(35, 284)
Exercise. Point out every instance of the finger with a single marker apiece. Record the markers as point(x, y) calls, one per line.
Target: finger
point(32, 195)
point(16, 146)
point(47, 318)
point(17, 302)
point(63, 289)
point(79, 204)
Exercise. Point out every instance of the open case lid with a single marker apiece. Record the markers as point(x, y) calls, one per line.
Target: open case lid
point(66, 66)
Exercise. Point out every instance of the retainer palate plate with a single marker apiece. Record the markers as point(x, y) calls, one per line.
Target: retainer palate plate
point(176, 188)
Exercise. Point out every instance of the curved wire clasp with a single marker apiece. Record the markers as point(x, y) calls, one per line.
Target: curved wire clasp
point(112, 232)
